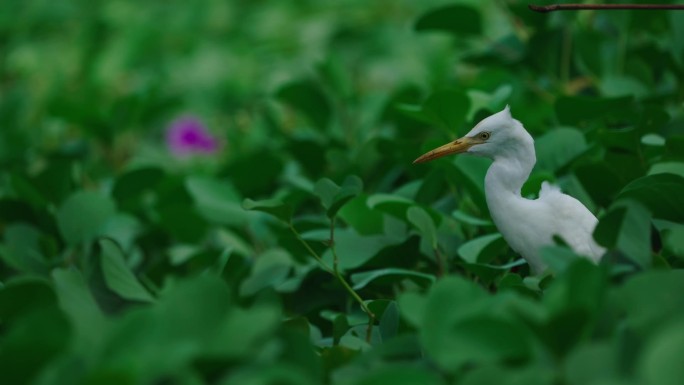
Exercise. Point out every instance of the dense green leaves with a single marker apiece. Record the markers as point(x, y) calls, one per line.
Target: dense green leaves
point(223, 193)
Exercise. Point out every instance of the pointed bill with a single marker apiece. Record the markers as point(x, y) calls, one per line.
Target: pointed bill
point(455, 147)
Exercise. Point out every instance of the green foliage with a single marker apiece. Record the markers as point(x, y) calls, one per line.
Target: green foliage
point(307, 248)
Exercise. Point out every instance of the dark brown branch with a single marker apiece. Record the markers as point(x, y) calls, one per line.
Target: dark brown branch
point(607, 7)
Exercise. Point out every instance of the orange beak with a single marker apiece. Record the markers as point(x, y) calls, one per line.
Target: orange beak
point(456, 147)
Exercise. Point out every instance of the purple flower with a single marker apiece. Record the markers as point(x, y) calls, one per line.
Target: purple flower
point(188, 135)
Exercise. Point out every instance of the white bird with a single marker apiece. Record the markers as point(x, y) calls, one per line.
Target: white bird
point(526, 224)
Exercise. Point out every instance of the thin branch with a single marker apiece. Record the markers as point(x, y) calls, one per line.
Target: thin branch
point(350, 290)
point(311, 251)
point(604, 7)
point(335, 272)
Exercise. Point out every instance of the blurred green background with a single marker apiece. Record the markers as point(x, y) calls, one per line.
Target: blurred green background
point(124, 260)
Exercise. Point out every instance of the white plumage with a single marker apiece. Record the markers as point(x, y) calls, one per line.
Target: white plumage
point(526, 224)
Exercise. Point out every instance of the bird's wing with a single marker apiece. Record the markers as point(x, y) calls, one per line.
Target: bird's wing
point(571, 220)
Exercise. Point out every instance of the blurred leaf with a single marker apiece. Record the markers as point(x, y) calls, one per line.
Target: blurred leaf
point(457, 329)
point(117, 275)
point(652, 300)
point(389, 322)
point(412, 307)
point(559, 147)
point(447, 109)
point(659, 193)
point(558, 258)
point(21, 249)
point(579, 110)
point(592, 363)
point(660, 363)
point(423, 222)
point(390, 204)
point(354, 250)
point(274, 207)
point(90, 325)
point(627, 227)
point(362, 218)
point(129, 187)
point(333, 197)
point(361, 280)
point(459, 20)
point(81, 217)
point(482, 249)
point(471, 220)
point(306, 97)
point(400, 375)
point(504, 375)
point(216, 200)
point(469, 173)
point(270, 270)
point(340, 328)
point(676, 168)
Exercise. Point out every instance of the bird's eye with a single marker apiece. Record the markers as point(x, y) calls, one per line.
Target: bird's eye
point(484, 135)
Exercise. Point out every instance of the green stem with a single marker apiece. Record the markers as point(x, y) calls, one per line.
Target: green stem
point(336, 273)
point(311, 251)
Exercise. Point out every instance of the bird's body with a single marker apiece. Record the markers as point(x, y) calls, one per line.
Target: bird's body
point(526, 224)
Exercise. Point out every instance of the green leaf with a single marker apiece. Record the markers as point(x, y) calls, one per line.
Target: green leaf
point(270, 270)
point(412, 307)
point(362, 218)
point(661, 362)
point(400, 375)
point(424, 223)
point(459, 20)
point(464, 217)
point(676, 168)
point(90, 325)
point(334, 197)
point(275, 207)
point(482, 249)
point(129, 187)
point(627, 227)
point(81, 217)
point(389, 322)
point(216, 200)
point(340, 328)
point(21, 250)
point(306, 97)
point(652, 299)
point(660, 193)
point(361, 280)
point(592, 363)
point(354, 250)
point(558, 147)
point(390, 204)
point(118, 276)
point(579, 110)
point(558, 258)
point(458, 327)
point(446, 109)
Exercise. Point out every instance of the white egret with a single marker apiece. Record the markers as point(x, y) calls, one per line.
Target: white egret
point(526, 224)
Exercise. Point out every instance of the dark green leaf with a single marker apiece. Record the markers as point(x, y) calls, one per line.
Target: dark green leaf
point(118, 276)
point(275, 207)
point(361, 280)
point(424, 223)
point(82, 216)
point(459, 20)
point(306, 97)
point(660, 193)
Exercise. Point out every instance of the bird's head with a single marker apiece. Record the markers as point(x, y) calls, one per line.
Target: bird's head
point(496, 135)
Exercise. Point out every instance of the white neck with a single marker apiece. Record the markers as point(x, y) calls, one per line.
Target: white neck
point(511, 168)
